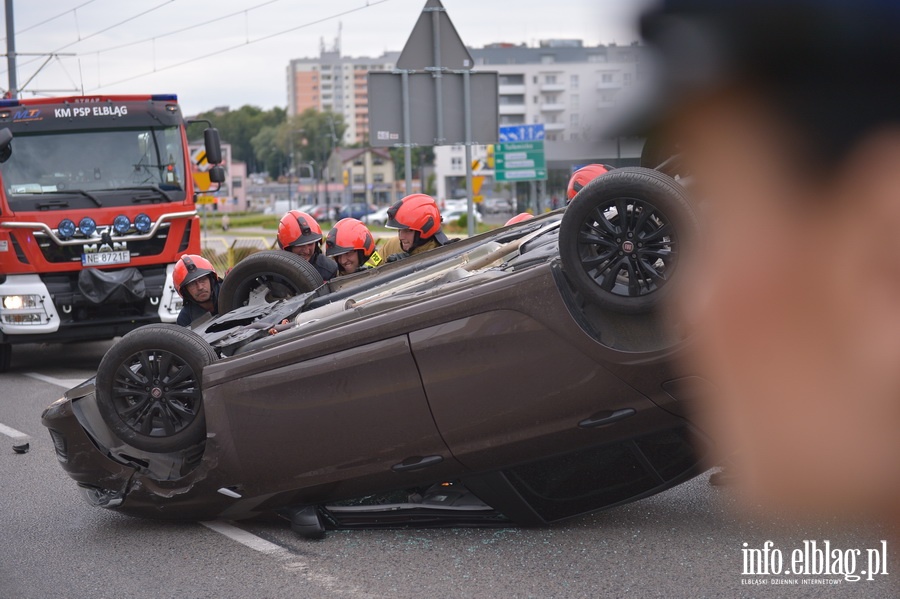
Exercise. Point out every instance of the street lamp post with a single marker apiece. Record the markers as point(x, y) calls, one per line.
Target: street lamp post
point(291, 175)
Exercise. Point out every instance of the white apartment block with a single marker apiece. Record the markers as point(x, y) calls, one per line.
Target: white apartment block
point(568, 87)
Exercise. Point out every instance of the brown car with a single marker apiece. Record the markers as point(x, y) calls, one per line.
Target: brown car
point(521, 376)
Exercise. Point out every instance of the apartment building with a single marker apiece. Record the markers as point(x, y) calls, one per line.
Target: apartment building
point(337, 83)
point(569, 87)
point(368, 174)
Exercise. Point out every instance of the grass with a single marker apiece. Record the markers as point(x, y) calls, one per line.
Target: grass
point(254, 219)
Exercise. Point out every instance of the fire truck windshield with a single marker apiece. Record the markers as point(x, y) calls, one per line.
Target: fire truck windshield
point(114, 165)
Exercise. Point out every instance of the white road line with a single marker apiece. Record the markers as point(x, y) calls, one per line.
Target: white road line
point(13, 433)
point(292, 562)
point(64, 383)
point(247, 539)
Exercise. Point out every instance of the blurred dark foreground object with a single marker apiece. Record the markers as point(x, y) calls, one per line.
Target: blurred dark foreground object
point(829, 64)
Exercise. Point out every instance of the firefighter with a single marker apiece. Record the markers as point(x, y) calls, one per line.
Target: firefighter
point(197, 283)
point(299, 233)
point(583, 176)
point(419, 222)
point(352, 246)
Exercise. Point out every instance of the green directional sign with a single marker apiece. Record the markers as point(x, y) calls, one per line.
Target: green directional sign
point(520, 161)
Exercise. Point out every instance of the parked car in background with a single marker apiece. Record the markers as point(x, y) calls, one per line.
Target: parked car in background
point(451, 205)
point(379, 217)
point(319, 212)
point(453, 216)
point(496, 206)
point(358, 210)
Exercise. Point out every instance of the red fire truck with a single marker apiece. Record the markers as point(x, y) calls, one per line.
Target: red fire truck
point(96, 205)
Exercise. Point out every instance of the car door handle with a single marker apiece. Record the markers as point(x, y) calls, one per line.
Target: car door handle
point(602, 418)
point(417, 462)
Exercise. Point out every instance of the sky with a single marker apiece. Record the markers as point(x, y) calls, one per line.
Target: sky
point(236, 52)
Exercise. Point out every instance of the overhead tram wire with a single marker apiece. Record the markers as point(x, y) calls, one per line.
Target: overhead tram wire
point(104, 30)
point(183, 29)
point(53, 18)
point(368, 4)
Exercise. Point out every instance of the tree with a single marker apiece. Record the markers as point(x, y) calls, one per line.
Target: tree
point(421, 156)
point(269, 155)
point(238, 128)
point(313, 133)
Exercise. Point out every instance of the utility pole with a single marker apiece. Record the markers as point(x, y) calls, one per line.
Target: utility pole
point(291, 174)
point(11, 50)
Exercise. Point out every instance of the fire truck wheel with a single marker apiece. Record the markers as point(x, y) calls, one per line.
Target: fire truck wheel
point(149, 387)
point(266, 277)
point(5, 356)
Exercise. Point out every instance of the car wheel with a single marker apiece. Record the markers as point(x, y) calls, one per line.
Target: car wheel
point(149, 391)
point(266, 277)
point(621, 238)
point(5, 356)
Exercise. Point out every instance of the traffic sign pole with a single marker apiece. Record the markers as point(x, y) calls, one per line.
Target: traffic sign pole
point(470, 204)
point(407, 139)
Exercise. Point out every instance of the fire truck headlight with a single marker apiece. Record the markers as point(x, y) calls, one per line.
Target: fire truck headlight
point(66, 228)
point(22, 309)
point(142, 223)
point(121, 224)
point(87, 226)
point(13, 302)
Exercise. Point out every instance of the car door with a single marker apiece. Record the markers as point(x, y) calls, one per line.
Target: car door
point(505, 389)
point(349, 421)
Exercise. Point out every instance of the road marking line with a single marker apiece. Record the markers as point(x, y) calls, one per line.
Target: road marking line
point(13, 433)
point(249, 540)
point(293, 563)
point(64, 383)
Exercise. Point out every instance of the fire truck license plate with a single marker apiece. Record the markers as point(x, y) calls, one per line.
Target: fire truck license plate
point(104, 258)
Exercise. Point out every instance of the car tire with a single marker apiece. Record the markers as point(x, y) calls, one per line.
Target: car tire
point(626, 264)
point(148, 388)
point(267, 276)
point(5, 356)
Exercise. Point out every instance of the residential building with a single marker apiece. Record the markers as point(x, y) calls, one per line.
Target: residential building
point(231, 196)
point(368, 174)
point(570, 88)
point(337, 83)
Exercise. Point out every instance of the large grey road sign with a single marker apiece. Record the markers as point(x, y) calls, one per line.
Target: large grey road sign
point(434, 27)
point(386, 102)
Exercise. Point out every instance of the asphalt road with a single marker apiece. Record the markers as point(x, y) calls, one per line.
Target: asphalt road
point(686, 542)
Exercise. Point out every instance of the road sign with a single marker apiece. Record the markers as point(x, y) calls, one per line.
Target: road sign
point(206, 200)
point(433, 98)
point(520, 161)
point(513, 133)
point(386, 108)
point(418, 53)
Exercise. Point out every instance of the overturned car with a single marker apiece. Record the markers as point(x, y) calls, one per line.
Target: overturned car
point(522, 376)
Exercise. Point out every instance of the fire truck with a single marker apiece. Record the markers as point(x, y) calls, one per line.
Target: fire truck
point(96, 206)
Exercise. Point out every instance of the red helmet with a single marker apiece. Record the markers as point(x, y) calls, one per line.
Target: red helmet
point(418, 212)
point(298, 228)
point(188, 269)
point(349, 234)
point(583, 176)
point(519, 218)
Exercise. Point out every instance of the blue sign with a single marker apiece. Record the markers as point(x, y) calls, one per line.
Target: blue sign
point(512, 133)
